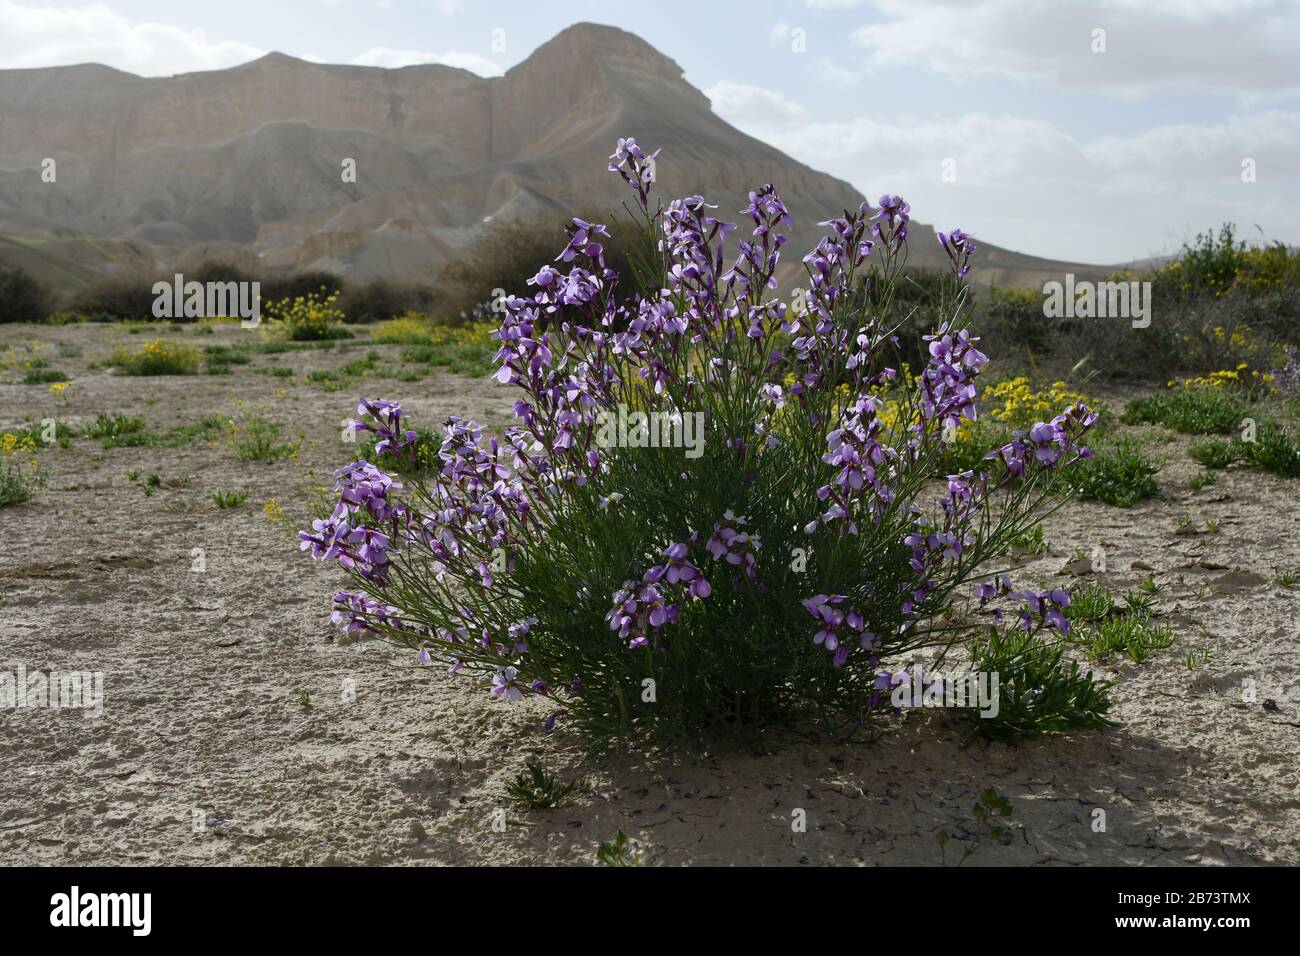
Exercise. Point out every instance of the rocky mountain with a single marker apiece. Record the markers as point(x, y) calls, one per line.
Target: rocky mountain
point(246, 164)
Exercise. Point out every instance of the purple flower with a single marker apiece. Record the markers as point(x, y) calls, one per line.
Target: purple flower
point(506, 685)
point(959, 248)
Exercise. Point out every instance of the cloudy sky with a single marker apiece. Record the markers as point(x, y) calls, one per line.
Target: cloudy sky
point(1088, 130)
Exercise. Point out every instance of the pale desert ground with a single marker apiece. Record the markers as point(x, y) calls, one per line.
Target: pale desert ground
point(397, 764)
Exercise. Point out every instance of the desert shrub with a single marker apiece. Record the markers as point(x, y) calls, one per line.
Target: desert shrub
point(504, 256)
point(1011, 323)
point(43, 376)
point(157, 357)
point(1119, 473)
point(1215, 453)
point(1037, 692)
point(1192, 411)
point(916, 303)
point(312, 317)
point(764, 561)
point(1216, 305)
point(18, 481)
point(23, 298)
point(381, 300)
point(17, 484)
point(116, 299)
point(298, 284)
point(1274, 450)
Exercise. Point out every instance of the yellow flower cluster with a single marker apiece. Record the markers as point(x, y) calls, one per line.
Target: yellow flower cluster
point(1017, 403)
point(304, 317)
point(412, 328)
point(477, 335)
point(159, 357)
point(1241, 337)
point(1234, 379)
point(12, 444)
point(1256, 270)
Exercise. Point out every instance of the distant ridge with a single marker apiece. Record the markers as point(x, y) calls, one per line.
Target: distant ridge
point(244, 163)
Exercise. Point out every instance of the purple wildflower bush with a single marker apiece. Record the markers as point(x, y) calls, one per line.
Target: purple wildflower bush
point(783, 569)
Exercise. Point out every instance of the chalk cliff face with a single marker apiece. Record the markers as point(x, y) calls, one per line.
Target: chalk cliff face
point(246, 163)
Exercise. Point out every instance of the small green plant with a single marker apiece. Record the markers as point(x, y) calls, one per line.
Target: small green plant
point(1192, 411)
point(1273, 450)
point(208, 428)
point(328, 379)
point(256, 438)
point(1285, 579)
point(1030, 542)
point(988, 809)
point(1203, 480)
point(538, 789)
point(304, 700)
point(1139, 604)
point(1212, 527)
point(620, 851)
point(1149, 585)
point(133, 474)
point(1131, 635)
point(119, 431)
point(1215, 453)
point(17, 484)
point(1090, 604)
point(1037, 693)
point(43, 376)
point(229, 499)
point(1118, 474)
point(1197, 658)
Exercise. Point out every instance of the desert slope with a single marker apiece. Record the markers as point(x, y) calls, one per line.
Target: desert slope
point(248, 161)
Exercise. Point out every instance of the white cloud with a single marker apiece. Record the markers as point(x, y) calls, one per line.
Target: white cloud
point(1025, 185)
point(837, 75)
point(32, 36)
point(388, 57)
point(751, 107)
point(1246, 46)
